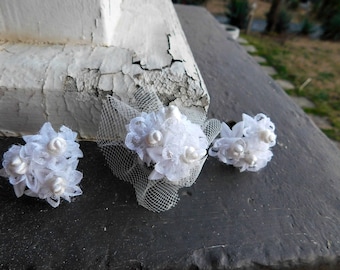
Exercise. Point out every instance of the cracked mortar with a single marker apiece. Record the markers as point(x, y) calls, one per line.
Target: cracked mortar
point(65, 84)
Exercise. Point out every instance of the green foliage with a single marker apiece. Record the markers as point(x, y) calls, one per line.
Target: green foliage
point(316, 7)
point(274, 54)
point(325, 76)
point(331, 27)
point(283, 21)
point(328, 12)
point(238, 13)
point(293, 4)
point(308, 27)
point(331, 133)
point(320, 95)
point(325, 98)
point(325, 9)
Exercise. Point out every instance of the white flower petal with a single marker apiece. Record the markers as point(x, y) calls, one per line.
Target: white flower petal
point(67, 134)
point(19, 189)
point(162, 137)
point(45, 166)
point(247, 144)
point(225, 130)
point(53, 201)
point(155, 153)
point(154, 175)
point(30, 193)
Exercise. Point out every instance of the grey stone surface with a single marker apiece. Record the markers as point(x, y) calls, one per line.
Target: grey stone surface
point(337, 144)
point(321, 121)
point(269, 70)
point(286, 85)
point(303, 102)
point(259, 59)
point(295, 217)
point(286, 216)
point(242, 40)
point(249, 48)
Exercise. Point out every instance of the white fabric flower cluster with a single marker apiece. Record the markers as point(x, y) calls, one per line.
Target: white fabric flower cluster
point(247, 144)
point(45, 166)
point(167, 140)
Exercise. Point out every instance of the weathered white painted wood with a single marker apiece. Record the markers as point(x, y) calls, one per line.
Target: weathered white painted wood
point(65, 83)
point(59, 21)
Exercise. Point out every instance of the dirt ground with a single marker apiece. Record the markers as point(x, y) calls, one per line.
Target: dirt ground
point(320, 59)
point(218, 7)
point(303, 59)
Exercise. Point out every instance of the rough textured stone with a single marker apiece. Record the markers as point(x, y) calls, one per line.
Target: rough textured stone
point(283, 217)
point(287, 215)
point(259, 59)
point(286, 85)
point(303, 102)
point(337, 144)
point(242, 40)
point(249, 48)
point(269, 70)
point(65, 84)
point(62, 21)
point(321, 122)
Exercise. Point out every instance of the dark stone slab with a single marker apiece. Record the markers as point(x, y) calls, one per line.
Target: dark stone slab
point(286, 216)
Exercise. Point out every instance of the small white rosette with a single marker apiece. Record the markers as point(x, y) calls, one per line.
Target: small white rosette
point(45, 167)
point(247, 145)
point(158, 149)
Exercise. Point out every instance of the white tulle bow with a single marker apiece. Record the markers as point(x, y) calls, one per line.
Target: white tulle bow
point(159, 149)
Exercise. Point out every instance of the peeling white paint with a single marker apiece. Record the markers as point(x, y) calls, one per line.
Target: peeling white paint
point(65, 84)
point(59, 21)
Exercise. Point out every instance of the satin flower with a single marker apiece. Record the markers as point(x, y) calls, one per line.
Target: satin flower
point(45, 166)
point(247, 144)
point(168, 141)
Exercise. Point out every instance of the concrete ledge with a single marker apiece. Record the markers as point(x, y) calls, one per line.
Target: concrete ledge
point(65, 84)
point(286, 216)
point(59, 21)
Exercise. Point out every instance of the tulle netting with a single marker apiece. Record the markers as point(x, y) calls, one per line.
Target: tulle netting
point(155, 195)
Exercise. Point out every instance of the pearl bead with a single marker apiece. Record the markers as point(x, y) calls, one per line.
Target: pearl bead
point(57, 146)
point(251, 159)
point(58, 186)
point(190, 155)
point(267, 136)
point(18, 166)
point(154, 138)
point(238, 149)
